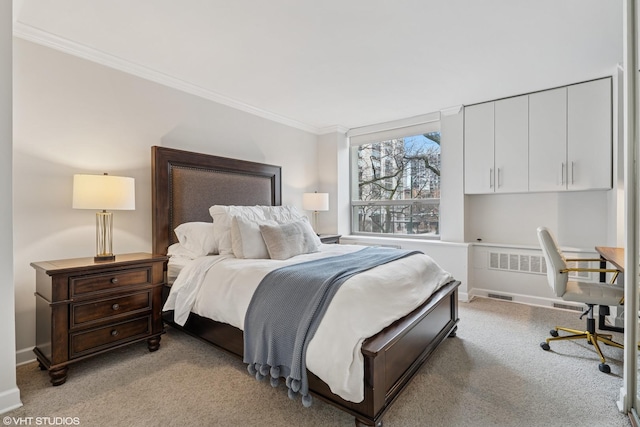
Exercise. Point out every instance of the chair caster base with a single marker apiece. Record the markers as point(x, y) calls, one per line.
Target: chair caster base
point(604, 368)
point(545, 346)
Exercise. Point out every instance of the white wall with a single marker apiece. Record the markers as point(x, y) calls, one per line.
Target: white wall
point(9, 393)
point(452, 202)
point(578, 219)
point(75, 116)
point(516, 280)
point(333, 176)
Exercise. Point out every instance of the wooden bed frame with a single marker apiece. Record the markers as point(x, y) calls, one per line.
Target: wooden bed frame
point(186, 184)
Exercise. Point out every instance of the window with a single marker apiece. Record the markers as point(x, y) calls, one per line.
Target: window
point(396, 183)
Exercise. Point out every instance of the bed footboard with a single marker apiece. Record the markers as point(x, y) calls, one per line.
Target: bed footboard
point(391, 357)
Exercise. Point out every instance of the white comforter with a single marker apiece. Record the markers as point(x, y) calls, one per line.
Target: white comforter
point(221, 287)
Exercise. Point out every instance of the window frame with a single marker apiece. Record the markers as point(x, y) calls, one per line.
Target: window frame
point(379, 133)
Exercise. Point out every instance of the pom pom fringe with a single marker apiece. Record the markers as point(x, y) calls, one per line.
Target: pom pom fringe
point(293, 385)
point(307, 400)
point(264, 370)
point(275, 372)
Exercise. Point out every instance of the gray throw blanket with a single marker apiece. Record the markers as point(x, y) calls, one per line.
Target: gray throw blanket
point(287, 307)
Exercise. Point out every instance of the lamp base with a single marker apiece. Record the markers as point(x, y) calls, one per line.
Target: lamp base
point(104, 231)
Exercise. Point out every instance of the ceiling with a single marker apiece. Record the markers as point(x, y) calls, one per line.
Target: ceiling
point(338, 64)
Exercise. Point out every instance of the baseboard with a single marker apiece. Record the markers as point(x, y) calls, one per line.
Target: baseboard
point(25, 356)
point(10, 400)
point(522, 299)
point(463, 297)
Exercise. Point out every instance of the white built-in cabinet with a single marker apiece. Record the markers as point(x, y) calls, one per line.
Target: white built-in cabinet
point(548, 140)
point(553, 140)
point(479, 148)
point(511, 139)
point(589, 136)
point(496, 146)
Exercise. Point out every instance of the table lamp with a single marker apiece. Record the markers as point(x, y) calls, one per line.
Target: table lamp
point(315, 202)
point(104, 192)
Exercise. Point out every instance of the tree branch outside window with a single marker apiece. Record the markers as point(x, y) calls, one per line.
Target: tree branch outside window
point(399, 186)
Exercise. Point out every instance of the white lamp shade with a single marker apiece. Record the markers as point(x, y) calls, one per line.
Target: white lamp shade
point(104, 192)
point(315, 201)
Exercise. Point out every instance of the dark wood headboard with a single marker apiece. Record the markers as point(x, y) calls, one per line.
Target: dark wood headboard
point(185, 184)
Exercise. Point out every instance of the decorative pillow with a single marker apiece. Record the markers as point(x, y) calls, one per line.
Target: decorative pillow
point(282, 214)
point(197, 237)
point(222, 216)
point(246, 239)
point(286, 240)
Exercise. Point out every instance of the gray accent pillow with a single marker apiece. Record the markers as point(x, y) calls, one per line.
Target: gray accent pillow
point(246, 239)
point(286, 240)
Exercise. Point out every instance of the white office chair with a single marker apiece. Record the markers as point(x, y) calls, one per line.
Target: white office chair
point(589, 293)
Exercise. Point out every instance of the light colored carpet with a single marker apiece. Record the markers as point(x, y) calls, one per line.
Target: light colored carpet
point(492, 374)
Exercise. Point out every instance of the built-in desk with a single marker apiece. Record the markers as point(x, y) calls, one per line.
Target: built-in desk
point(614, 256)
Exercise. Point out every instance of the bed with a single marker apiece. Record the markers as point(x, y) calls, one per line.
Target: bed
point(186, 184)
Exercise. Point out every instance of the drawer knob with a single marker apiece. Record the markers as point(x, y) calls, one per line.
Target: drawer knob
point(115, 306)
point(114, 280)
point(114, 333)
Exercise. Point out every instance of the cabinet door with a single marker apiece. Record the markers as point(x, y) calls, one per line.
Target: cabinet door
point(589, 145)
point(548, 140)
point(511, 145)
point(478, 148)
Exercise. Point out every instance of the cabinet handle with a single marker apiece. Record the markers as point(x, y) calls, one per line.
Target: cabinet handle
point(114, 333)
point(114, 280)
point(115, 306)
point(562, 175)
point(490, 177)
point(498, 181)
point(571, 173)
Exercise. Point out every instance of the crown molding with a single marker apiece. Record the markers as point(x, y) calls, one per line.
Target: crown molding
point(395, 124)
point(333, 129)
point(44, 38)
point(451, 110)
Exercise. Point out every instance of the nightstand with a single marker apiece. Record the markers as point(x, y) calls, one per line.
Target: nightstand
point(330, 238)
point(84, 308)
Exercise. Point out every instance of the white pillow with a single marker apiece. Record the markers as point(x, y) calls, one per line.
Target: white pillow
point(197, 237)
point(222, 216)
point(178, 251)
point(282, 214)
point(246, 239)
point(286, 240)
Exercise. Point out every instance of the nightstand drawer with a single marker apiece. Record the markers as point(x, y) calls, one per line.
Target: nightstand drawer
point(88, 312)
point(108, 336)
point(94, 283)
